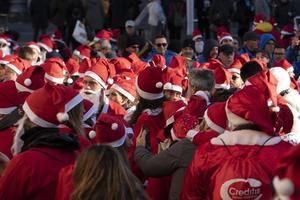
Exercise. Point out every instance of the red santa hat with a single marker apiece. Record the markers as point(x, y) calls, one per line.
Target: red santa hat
point(235, 67)
point(259, 18)
point(182, 125)
point(34, 46)
point(110, 130)
point(224, 36)
point(213, 64)
point(158, 61)
point(126, 88)
point(49, 106)
point(250, 106)
point(6, 59)
point(149, 83)
point(287, 30)
point(215, 117)
point(172, 110)
point(46, 43)
point(121, 65)
point(172, 81)
point(4, 39)
point(18, 65)
point(99, 73)
point(55, 70)
point(244, 58)
point(197, 34)
point(115, 34)
point(283, 63)
point(89, 110)
point(57, 35)
point(266, 82)
point(73, 67)
point(83, 51)
point(222, 78)
point(31, 79)
point(10, 97)
point(109, 66)
point(103, 35)
point(84, 66)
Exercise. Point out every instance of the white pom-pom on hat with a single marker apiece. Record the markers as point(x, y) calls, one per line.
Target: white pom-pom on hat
point(62, 117)
point(275, 109)
point(110, 81)
point(114, 126)
point(27, 82)
point(92, 134)
point(168, 85)
point(284, 187)
point(159, 84)
point(69, 80)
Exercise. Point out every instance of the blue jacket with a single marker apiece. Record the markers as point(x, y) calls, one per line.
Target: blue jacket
point(168, 56)
point(264, 38)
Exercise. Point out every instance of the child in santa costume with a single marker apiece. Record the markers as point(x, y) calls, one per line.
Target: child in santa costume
point(40, 150)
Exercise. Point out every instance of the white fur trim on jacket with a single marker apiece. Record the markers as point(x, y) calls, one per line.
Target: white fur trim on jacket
point(245, 137)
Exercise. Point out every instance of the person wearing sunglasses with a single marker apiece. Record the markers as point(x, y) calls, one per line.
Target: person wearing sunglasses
point(160, 46)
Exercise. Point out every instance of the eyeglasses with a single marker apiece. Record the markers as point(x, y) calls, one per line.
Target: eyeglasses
point(161, 44)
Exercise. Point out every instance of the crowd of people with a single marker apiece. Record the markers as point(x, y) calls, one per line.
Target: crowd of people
point(122, 117)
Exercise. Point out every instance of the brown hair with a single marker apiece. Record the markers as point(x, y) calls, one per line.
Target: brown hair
point(26, 53)
point(75, 118)
point(100, 173)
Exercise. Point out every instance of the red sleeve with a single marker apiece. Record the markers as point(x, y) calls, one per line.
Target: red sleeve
point(203, 137)
point(65, 183)
point(15, 181)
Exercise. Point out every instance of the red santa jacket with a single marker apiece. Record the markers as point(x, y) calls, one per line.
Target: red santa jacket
point(65, 183)
point(6, 141)
point(33, 174)
point(157, 188)
point(200, 178)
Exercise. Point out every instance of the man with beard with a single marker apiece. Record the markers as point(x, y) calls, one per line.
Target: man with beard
point(40, 150)
point(94, 84)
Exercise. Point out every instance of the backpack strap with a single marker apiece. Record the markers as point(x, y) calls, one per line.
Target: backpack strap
point(226, 147)
point(260, 148)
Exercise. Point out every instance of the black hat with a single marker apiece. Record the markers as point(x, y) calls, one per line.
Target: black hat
point(251, 35)
point(132, 40)
point(188, 43)
point(226, 49)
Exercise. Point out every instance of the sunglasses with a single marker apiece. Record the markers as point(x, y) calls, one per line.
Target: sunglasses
point(161, 44)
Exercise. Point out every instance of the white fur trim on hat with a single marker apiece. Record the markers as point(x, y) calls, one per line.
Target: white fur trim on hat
point(234, 70)
point(14, 68)
point(96, 77)
point(222, 86)
point(3, 62)
point(62, 117)
point(170, 121)
point(48, 49)
point(35, 47)
point(118, 142)
point(6, 111)
point(197, 36)
point(54, 79)
point(73, 102)
point(36, 119)
point(170, 86)
point(227, 37)
point(147, 95)
point(22, 88)
point(89, 113)
point(124, 92)
point(212, 125)
point(174, 136)
point(2, 40)
point(286, 33)
point(284, 187)
point(92, 134)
